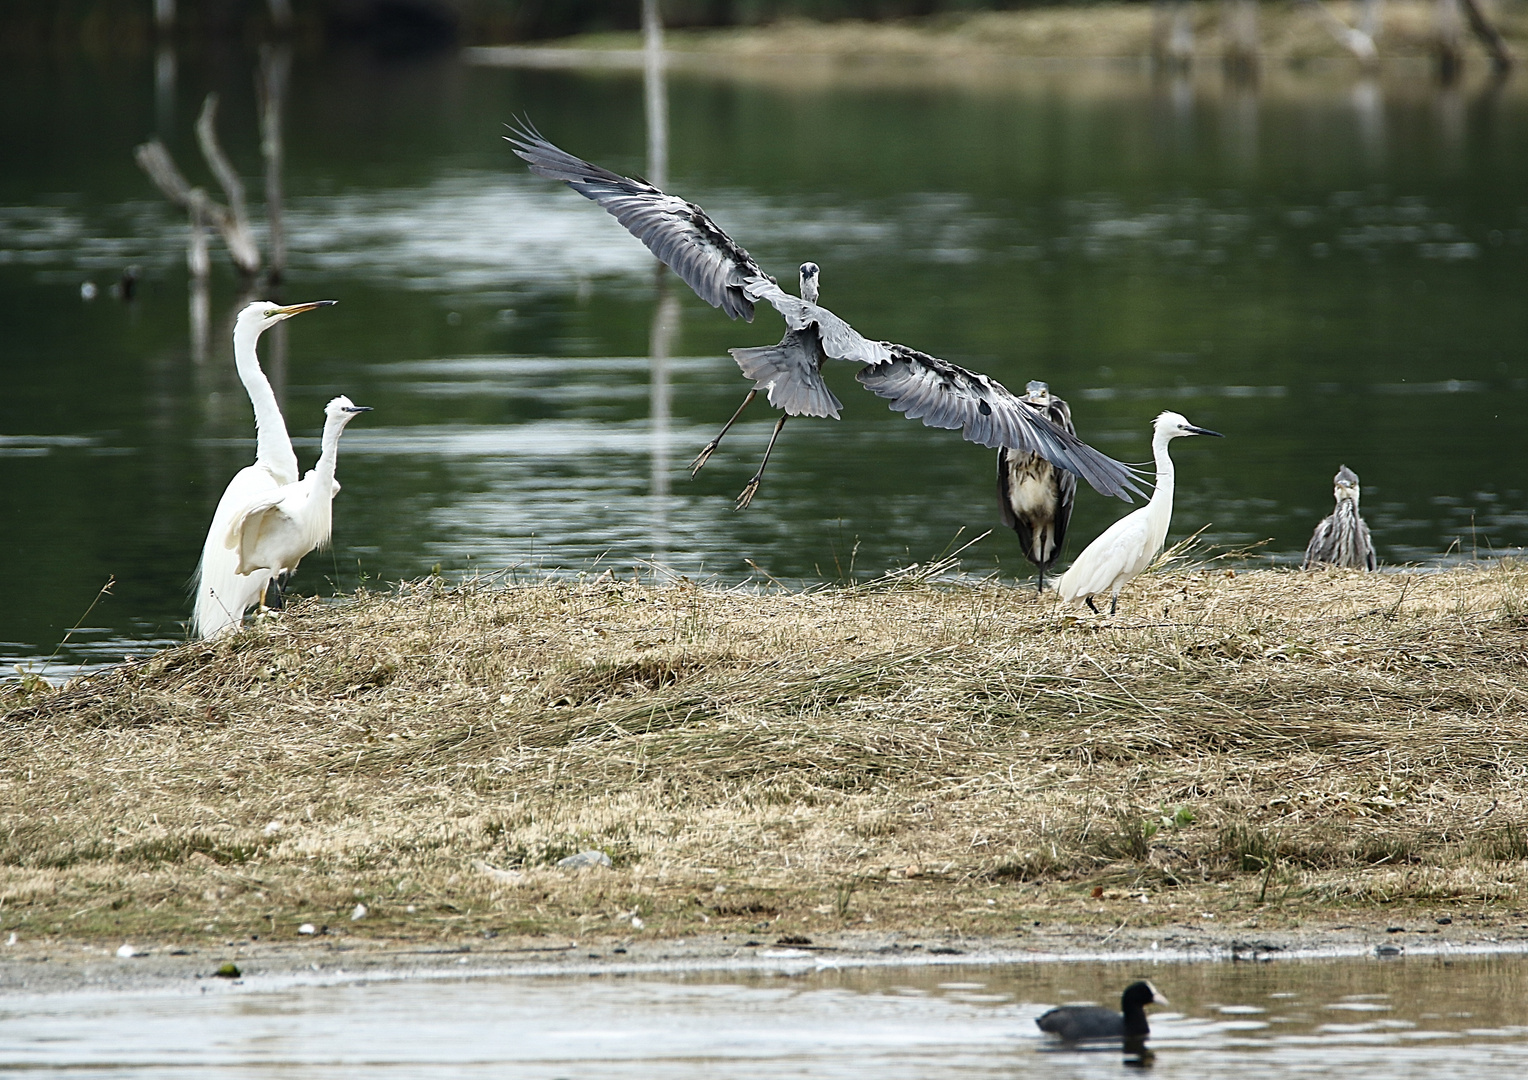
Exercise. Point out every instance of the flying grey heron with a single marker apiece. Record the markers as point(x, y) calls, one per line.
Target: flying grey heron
point(1034, 497)
point(1342, 538)
point(1128, 546)
point(725, 276)
point(1082, 1023)
point(223, 592)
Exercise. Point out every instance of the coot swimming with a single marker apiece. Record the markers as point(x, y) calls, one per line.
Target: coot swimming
point(1078, 1023)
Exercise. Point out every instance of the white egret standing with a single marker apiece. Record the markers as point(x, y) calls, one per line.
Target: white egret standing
point(275, 529)
point(1128, 546)
point(1033, 496)
point(222, 593)
point(1342, 539)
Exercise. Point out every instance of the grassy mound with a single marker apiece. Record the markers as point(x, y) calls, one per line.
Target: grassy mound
point(903, 755)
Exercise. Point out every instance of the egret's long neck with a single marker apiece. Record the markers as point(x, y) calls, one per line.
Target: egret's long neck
point(334, 426)
point(1159, 511)
point(273, 446)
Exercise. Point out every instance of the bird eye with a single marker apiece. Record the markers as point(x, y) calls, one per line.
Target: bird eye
point(271, 313)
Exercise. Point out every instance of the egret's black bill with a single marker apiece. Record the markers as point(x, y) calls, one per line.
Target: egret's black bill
point(1204, 431)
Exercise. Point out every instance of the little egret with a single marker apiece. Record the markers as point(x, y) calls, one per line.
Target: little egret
point(725, 276)
point(1342, 539)
point(275, 529)
point(1128, 546)
point(1034, 497)
point(222, 593)
point(1081, 1023)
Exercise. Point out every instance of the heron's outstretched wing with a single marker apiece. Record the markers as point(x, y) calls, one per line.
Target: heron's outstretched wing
point(678, 232)
point(839, 340)
point(945, 395)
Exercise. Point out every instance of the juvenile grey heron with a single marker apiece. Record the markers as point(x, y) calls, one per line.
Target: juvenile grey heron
point(1128, 546)
point(1081, 1023)
point(725, 276)
point(223, 592)
point(1034, 497)
point(1342, 538)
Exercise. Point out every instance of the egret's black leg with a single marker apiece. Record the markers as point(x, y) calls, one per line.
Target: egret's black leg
point(1040, 585)
point(1114, 604)
point(752, 487)
point(705, 451)
point(275, 592)
point(1089, 601)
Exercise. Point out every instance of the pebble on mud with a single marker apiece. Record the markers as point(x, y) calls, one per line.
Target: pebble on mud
point(583, 860)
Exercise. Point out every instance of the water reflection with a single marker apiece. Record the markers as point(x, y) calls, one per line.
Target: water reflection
point(1420, 1017)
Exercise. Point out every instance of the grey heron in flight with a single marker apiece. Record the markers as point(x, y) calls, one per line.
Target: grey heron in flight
point(1034, 497)
point(1342, 538)
point(725, 276)
point(1127, 547)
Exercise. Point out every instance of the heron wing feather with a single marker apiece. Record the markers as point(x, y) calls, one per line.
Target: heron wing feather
point(789, 373)
point(840, 341)
point(676, 231)
point(945, 395)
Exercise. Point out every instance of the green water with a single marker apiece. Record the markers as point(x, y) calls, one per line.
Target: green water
point(1325, 270)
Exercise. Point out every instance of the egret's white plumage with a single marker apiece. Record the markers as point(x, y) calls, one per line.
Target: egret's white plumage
point(1128, 546)
point(273, 531)
point(222, 593)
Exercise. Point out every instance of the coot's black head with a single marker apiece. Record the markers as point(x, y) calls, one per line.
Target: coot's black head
point(1133, 1004)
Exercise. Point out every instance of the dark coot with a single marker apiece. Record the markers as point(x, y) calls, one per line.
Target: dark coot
point(1077, 1023)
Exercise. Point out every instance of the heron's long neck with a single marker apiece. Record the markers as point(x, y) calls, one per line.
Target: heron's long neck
point(809, 289)
point(273, 446)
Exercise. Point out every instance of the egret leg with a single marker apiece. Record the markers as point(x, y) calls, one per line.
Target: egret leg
point(1114, 604)
point(752, 487)
point(706, 451)
point(1040, 585)
point(276, 588)
point(1089, 601)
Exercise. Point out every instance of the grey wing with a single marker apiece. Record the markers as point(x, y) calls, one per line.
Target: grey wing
point(945, 395)
point(1319, 550)
point(1060, 414)
point(1366, 546)
point(840, 341)
point(678, 232)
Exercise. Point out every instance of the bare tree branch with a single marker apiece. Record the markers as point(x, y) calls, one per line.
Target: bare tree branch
point(235, 224)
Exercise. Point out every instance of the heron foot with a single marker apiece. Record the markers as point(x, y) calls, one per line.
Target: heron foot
point(703, 457)
point(1089, 601)
point(749, 491)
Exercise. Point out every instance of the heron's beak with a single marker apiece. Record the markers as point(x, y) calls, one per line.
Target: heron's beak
point(355, 408)
point(1204, 431)
point(298, 309)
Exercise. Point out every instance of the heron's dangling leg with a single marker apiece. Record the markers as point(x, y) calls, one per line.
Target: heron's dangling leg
point(705, 451)
point(1040, 585)
point(1089, 601)
point(752, 487)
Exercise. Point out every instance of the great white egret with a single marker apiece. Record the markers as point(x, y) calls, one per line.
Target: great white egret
point(725, 276)
point(1128, 546)
point(222, 593)
point(1342, 538)
point(1033, 496)
point(1081, 1023)
point(275, 529)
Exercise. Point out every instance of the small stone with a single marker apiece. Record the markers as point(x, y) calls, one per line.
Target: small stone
point(307, 928)
point(359, 913)
point(583, 860)
point(12, 939)
point(127, 952)
point(1388, 950)
point(1444, 921)
point(1395, 929)
point(228, 971)
point(637, 923)
point(272, 828)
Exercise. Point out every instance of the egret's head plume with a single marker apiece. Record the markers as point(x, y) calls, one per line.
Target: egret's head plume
point(342, 406)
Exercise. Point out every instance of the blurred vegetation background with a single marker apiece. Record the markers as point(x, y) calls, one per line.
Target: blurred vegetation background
point(126, 23)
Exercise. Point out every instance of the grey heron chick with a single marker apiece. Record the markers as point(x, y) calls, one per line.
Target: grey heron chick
point(725, 276)
point(1127, 547)
point(1033, 496)
point(1342, 538)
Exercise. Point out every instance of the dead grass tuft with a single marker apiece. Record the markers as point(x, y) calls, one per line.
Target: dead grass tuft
point(1266, 741)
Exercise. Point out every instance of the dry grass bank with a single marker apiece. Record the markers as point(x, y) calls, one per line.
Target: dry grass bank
point(1291, 33)
point(1280, 745)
